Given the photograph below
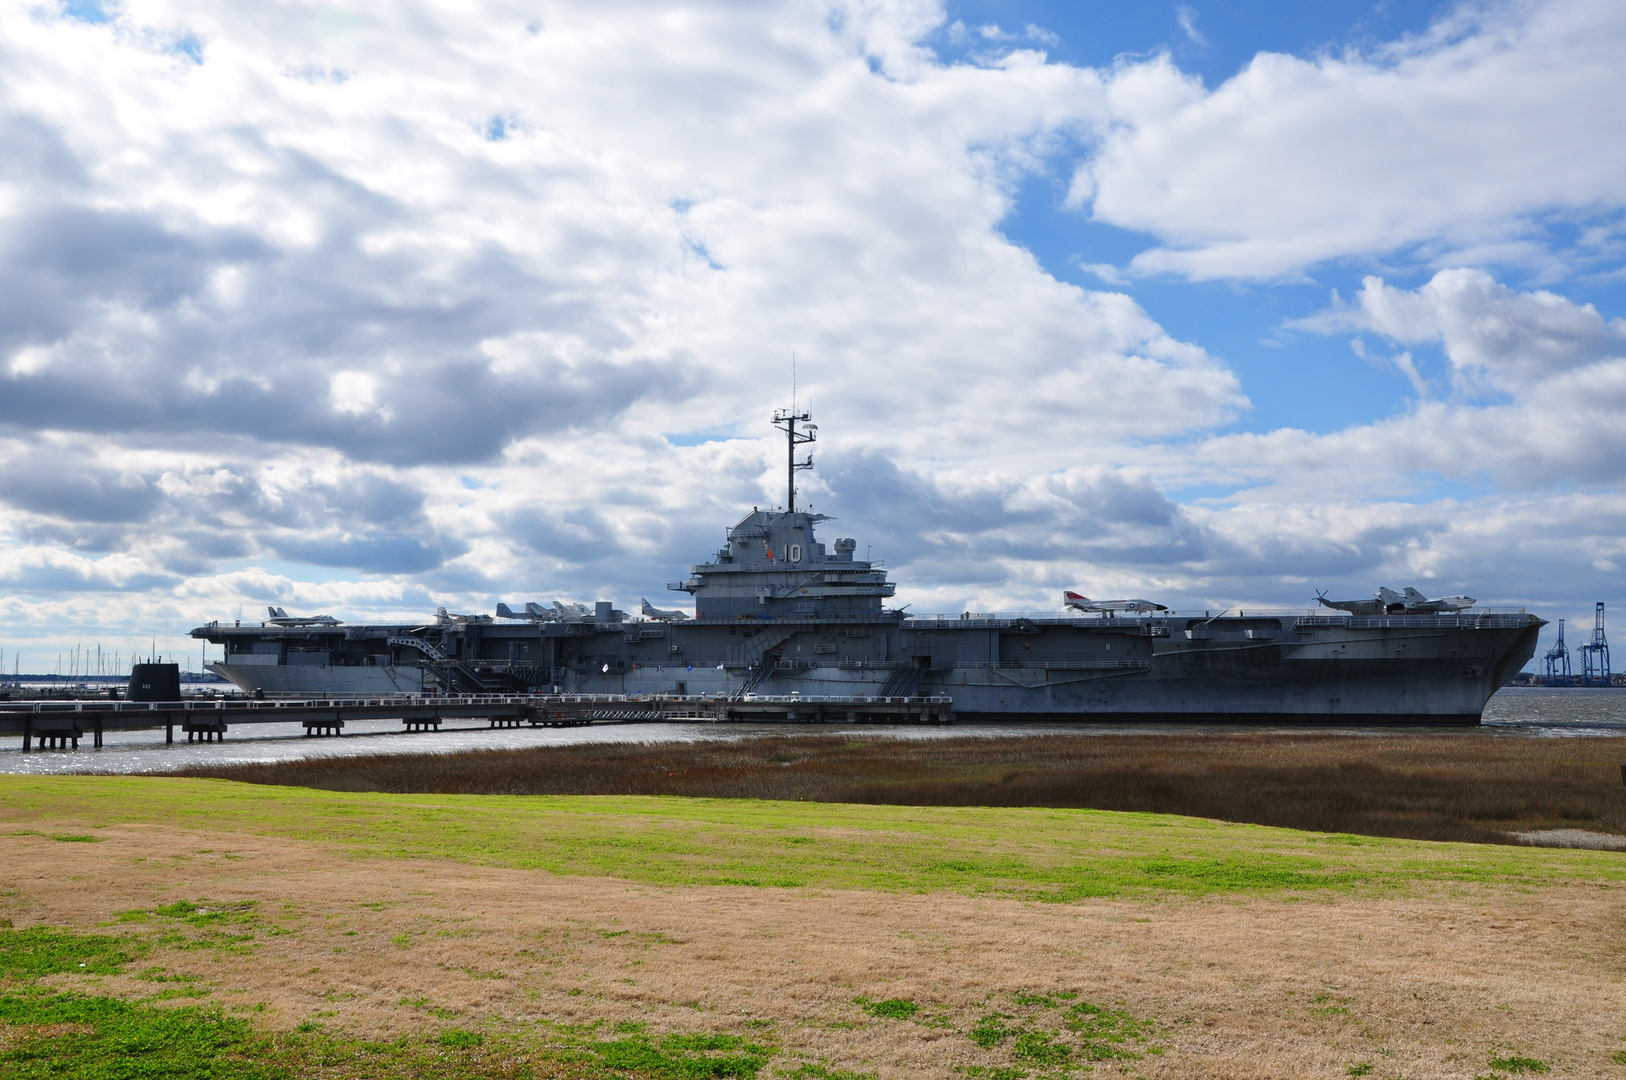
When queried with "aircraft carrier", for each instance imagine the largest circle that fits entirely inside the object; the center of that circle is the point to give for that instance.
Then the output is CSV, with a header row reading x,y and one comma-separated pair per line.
x,y
777,613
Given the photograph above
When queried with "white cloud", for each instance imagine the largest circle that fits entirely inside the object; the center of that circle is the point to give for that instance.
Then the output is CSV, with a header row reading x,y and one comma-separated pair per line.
x,y
1495,337
260,313
311,255
1555,371
1187,18
1458,145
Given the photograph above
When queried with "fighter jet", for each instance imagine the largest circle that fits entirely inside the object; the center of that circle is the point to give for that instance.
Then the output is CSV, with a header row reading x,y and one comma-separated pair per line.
x,y
445,618
532,613
572,612
1412,602
1083,603
279,617
1354,607
663,616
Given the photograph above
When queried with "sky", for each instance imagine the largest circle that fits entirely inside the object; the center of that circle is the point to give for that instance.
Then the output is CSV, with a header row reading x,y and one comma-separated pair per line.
x,y
368,309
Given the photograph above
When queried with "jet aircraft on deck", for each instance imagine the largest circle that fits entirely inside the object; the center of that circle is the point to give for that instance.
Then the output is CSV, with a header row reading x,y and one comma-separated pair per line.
x,y
1388,602
1413,602
662,615
1083,603
279,617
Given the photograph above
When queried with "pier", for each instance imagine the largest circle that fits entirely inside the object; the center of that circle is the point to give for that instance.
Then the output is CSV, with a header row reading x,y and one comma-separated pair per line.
x,y
62,724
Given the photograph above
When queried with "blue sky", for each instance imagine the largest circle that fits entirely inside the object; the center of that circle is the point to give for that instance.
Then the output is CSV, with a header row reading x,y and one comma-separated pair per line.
x,y
1293,379
380,308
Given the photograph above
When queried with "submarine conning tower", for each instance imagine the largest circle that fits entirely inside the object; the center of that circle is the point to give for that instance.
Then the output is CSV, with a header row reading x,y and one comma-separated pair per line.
x,y
773,567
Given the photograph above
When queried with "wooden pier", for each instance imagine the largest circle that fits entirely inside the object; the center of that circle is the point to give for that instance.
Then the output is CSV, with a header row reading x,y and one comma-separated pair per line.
x,y
61,724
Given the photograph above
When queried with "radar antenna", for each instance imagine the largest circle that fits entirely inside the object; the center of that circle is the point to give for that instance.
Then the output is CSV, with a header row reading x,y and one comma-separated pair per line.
x,y
786,420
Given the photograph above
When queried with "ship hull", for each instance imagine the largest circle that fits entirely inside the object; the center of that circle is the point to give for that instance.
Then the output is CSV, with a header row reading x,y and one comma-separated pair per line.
x,y
321,681
1392,670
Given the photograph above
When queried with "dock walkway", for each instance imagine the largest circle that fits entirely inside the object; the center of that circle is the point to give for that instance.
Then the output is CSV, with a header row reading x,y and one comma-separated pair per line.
x,y
61,724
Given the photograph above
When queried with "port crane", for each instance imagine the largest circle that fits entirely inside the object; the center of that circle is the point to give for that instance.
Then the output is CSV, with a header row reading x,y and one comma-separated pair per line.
x,y
1558,661
1595,654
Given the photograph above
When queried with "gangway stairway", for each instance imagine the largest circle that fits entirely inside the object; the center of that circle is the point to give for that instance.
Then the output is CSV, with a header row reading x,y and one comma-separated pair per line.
x,y
755,648
904,680
759,675
454,676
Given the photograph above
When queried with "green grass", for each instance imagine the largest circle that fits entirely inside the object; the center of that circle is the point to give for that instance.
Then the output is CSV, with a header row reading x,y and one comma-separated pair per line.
x,y
676,1056
77,1037
823,1072
890,1009
1104,1034
1046,854
100,1038
52,1035
40,951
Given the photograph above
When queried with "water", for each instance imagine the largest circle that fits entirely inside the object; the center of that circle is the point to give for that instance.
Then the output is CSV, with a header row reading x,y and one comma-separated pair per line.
x,y
1537,710
1526,712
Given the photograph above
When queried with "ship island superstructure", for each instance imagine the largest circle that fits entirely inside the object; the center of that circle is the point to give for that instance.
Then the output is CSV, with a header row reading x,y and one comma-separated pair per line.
x,y
777,612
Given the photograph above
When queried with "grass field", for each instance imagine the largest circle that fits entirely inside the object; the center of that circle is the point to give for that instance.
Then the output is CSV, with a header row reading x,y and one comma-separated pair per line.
x,y
204,928
1031,853
1473,786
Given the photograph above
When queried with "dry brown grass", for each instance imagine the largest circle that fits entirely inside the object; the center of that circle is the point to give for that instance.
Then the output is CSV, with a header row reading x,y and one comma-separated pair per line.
x,y
1473,786
1429,985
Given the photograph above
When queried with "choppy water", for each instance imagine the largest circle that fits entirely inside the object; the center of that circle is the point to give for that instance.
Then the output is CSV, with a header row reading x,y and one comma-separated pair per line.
x,y
1532,712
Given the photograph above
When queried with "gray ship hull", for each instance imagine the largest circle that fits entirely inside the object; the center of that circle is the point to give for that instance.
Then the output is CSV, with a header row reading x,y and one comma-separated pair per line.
x,y
1315,669
1309,669
319,681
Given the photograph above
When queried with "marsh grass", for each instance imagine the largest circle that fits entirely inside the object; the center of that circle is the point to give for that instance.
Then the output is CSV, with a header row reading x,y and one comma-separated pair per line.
x,y
1475,787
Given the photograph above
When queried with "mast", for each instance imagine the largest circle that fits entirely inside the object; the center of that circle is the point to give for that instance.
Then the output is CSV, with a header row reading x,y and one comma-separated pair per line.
x,y
786,420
